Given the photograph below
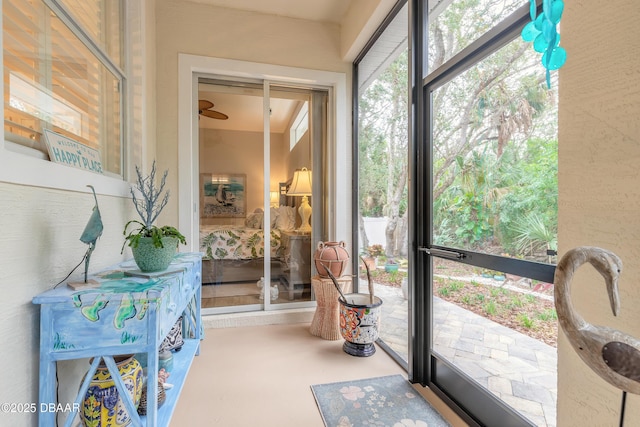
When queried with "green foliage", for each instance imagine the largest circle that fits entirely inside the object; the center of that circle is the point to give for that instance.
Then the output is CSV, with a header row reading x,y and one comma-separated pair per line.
x,y
529,212
512,198
156,233
382,142
533,234
456,285
451,287
490,308
516,301
494,133
548,315
526,321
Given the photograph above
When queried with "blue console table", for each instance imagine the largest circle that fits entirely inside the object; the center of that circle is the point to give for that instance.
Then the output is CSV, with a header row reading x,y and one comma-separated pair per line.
x,y
126,313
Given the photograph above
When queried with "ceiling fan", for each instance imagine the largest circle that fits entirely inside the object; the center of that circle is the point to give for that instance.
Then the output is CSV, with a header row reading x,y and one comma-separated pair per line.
x,y
203,109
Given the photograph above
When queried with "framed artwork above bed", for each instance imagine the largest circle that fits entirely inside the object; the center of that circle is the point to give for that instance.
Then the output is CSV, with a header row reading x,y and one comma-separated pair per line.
x,y
223,195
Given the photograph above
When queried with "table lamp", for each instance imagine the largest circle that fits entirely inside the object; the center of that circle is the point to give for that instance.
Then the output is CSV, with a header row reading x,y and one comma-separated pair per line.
x,y
274,199
301,186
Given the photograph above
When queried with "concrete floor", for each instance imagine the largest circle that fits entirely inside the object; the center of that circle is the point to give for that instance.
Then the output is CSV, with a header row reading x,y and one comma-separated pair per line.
x,y
516,368
261,375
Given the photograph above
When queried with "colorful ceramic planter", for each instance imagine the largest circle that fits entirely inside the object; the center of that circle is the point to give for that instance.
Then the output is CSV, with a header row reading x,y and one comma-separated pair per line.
x,y
360,323
102,405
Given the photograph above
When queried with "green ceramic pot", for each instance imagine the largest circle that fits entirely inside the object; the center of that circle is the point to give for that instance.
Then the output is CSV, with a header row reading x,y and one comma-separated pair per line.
x,y
389,268
150,259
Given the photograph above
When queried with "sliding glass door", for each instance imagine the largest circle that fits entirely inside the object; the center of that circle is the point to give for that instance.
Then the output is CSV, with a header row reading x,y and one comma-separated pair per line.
x,y
256,162
231,162
294,140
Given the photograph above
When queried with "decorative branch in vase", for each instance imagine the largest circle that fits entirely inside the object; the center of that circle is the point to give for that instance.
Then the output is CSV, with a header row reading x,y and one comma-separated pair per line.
x,y
153,247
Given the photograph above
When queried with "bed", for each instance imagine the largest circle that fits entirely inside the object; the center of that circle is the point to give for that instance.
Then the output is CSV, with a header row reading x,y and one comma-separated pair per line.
x,y
235,253
237,242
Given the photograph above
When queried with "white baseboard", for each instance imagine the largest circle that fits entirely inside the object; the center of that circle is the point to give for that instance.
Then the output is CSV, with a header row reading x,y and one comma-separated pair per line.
x,y
258,318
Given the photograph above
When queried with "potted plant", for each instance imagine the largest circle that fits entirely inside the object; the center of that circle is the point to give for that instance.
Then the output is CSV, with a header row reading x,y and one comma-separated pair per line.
x,y
391,265
372,253
153,247
359,318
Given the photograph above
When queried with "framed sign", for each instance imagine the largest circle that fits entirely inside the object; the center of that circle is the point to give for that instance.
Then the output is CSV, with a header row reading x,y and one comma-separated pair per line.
x,y
68,152
223,195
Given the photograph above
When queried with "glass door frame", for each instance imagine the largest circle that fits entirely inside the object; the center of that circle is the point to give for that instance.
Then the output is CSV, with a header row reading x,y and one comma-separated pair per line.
x,y
336,162
355,194
318,152
476,405
318,131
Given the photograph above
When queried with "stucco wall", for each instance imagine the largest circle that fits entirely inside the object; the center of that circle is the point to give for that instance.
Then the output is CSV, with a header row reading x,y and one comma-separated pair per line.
x,y
44,208
40,245
599,188
186,27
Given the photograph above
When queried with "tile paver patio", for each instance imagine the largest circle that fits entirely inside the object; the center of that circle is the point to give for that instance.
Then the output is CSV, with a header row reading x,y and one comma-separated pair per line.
x,y
518,369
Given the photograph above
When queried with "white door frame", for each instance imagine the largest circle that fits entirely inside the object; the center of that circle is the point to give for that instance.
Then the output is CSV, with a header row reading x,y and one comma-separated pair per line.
x,y
339,147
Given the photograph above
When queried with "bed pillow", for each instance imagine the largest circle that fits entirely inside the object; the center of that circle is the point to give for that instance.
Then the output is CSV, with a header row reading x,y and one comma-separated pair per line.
x,y
254,220
274,216
286,219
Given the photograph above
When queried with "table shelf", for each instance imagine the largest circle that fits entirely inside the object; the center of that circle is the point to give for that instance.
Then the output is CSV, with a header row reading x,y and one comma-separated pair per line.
x,y
126,313
181,364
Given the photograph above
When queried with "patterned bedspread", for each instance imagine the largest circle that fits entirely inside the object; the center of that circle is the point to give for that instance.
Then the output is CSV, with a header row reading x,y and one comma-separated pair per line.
x,y
237,242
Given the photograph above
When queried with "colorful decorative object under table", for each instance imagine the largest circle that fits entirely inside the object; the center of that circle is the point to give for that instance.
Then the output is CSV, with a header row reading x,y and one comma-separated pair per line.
x,y
102,405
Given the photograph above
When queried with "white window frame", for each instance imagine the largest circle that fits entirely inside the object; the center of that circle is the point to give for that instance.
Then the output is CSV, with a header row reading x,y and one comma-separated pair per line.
x,y
25,166
301,121
339,144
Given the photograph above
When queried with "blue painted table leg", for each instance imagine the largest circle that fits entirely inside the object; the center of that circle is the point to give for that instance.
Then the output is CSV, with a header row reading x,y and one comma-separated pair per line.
x,y
152,375
122,390
47,392
198,334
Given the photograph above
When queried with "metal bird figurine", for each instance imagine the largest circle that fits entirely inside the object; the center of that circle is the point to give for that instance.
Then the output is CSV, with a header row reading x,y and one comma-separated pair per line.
x,y
610,353
92,231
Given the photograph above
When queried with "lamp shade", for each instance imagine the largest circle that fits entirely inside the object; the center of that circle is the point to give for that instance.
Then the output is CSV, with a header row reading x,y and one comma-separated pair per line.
x,y
274,198
301,183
